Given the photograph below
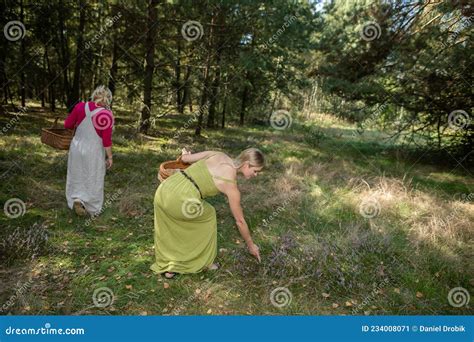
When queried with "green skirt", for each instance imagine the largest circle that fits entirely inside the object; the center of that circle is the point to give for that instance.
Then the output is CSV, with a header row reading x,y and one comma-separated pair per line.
x,y
185,228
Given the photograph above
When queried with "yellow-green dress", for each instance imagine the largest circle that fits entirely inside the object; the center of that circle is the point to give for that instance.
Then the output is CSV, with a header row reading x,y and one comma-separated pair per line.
x,y
185,224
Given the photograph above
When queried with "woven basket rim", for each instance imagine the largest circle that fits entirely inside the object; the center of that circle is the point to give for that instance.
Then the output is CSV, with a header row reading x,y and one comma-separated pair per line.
x,y
49,131
167,165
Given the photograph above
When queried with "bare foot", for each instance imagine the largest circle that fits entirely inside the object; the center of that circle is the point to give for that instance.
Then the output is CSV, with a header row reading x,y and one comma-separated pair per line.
x,y
169,275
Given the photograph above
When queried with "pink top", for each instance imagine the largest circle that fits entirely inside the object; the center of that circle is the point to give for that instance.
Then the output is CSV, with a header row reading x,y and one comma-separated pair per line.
x,y
103,121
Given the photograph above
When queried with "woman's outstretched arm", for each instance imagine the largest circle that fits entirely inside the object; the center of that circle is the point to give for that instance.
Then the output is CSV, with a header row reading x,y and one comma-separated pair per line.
x,y
233,194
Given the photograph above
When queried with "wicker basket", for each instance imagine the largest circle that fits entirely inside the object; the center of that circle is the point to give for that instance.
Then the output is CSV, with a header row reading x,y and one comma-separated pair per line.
x,y
59,138
169,167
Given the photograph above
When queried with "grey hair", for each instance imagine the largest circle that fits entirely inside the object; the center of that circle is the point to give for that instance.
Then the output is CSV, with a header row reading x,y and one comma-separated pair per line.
x,y
102,96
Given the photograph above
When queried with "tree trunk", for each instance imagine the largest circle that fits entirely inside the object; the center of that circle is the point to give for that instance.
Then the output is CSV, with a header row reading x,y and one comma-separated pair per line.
x,y
74,96
178,87
186,92
243,105
224,106
113,68
214,95
217,79
3,75
51,78
204,94
63,53
22,52
203,102
149,67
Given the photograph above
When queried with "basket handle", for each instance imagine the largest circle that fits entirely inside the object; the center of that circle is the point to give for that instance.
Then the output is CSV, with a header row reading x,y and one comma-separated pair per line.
x,y
55,125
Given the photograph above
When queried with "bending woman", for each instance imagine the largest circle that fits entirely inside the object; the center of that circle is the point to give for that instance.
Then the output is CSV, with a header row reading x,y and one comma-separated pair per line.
x,y
86,160
185,224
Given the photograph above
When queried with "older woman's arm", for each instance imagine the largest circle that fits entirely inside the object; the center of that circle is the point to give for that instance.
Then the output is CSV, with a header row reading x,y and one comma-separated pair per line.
x,y
73,117
233,194
109,161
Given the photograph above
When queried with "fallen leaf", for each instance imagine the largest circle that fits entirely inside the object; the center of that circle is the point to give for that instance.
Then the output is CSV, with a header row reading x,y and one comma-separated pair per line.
x,y
143,313
128,287
396,290
198,291
335,305
325,295
348,303
419,295
166,285
209,311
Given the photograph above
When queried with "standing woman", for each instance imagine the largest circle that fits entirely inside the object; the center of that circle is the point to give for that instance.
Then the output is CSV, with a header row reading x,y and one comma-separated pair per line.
x,y
87,153
185,224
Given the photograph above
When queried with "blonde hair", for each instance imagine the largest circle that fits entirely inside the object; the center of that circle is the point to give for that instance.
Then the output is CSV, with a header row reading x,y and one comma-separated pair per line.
x,y
102,96
252,155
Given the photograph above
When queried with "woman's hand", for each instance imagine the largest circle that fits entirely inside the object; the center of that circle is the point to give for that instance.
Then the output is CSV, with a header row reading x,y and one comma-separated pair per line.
x,y
184,151
109,162
255,251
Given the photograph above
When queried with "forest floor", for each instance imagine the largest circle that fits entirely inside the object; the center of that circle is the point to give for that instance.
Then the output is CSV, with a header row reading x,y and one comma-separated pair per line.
x,y
346,224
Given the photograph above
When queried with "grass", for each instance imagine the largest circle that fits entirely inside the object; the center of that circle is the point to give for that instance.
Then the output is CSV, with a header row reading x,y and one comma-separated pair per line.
x,y
304,212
